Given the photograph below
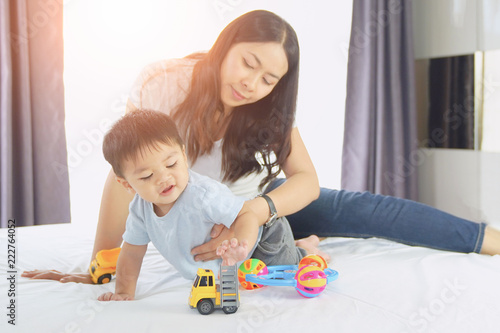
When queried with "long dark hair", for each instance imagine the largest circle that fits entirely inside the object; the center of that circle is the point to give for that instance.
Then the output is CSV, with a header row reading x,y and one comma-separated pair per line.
x,y
257,131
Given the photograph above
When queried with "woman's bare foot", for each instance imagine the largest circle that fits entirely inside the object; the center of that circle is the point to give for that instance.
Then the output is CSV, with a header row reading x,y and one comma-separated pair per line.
x,y
233,251
310,244
491,241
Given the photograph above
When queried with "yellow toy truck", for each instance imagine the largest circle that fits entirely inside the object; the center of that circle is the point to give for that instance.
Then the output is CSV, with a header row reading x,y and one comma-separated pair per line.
x,y
103,267
207,295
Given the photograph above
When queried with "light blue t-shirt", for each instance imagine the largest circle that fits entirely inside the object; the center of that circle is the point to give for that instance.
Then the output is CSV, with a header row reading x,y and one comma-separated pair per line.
x,y
203,203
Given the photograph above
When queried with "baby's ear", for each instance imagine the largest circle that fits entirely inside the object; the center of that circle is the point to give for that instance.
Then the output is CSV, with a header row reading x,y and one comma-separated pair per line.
x,y
184,154
125,184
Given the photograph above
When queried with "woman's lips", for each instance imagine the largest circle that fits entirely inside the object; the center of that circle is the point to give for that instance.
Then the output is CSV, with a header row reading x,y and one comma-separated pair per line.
x,y
237,95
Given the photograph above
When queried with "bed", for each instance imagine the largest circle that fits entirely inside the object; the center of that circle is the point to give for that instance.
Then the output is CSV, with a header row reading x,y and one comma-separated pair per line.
x,y
382,287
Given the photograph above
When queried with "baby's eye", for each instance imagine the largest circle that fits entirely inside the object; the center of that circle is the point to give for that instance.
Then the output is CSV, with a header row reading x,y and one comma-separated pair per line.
x,y
172,165
147,177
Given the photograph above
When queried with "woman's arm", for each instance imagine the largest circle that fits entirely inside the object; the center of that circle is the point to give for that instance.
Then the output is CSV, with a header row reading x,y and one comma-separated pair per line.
x,y
299,190
301,186
128,268
112,215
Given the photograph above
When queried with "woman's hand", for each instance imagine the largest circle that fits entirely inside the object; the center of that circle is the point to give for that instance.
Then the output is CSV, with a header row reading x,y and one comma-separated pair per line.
x,y
206,252
58,276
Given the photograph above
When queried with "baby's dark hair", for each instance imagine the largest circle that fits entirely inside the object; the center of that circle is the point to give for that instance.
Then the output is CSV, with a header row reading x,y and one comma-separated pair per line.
x,y
134,133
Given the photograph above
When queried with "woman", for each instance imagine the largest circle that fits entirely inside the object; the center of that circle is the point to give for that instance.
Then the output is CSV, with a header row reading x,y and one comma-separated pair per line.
x,y
235,107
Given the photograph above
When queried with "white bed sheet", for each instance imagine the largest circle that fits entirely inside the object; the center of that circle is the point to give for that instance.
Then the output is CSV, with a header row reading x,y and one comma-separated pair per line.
x,y
382,287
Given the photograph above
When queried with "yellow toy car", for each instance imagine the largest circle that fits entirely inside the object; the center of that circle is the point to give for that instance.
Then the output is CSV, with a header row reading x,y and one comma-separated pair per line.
x,y
103,267
207,295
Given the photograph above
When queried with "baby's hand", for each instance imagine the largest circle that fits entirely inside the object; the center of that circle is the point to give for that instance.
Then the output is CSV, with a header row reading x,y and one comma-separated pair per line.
x,y
232,251
115,297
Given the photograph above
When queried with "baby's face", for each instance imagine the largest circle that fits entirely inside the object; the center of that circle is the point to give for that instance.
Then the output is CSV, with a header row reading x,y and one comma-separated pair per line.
x,y
158,175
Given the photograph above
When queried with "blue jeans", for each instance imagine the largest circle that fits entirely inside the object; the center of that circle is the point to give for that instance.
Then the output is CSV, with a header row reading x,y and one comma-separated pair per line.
x,y
364,215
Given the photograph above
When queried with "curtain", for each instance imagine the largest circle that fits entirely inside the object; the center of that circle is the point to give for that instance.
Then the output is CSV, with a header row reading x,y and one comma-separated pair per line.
x,y
34,184
380,151
451,102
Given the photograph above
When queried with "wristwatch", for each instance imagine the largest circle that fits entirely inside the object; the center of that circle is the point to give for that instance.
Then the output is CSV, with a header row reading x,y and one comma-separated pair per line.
x,y
274,213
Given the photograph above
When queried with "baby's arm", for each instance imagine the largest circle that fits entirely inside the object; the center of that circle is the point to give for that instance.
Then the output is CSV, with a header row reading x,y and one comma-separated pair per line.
x,y
246,230
127,272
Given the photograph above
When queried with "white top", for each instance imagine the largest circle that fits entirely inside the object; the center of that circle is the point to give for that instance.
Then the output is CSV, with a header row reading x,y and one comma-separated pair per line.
x,y
162,86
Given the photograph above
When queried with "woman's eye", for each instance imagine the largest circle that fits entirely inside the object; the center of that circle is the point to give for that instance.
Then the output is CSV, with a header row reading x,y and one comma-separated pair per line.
x,y
247,64
266,82
147,177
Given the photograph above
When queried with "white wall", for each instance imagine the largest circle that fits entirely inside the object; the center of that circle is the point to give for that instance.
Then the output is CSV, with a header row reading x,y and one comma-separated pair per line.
x,y
461,182
108,42
489,89
455,27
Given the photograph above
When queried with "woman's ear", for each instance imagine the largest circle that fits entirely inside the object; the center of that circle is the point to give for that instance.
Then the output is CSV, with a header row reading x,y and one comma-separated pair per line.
x,y
125,184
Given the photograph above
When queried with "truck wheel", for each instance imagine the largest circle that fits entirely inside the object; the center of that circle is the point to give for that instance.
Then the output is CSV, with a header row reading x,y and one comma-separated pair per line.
x,y
104,278
229,309
205,306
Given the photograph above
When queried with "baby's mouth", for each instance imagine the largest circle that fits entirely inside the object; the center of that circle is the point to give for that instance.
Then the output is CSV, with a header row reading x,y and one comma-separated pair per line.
x,y
167,189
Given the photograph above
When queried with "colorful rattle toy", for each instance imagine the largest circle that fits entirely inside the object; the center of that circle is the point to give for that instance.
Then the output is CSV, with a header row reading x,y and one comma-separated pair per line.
x,y
309,278
251,266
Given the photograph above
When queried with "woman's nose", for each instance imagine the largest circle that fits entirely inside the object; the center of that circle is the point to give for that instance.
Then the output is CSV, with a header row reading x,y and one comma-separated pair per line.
x,y
250,82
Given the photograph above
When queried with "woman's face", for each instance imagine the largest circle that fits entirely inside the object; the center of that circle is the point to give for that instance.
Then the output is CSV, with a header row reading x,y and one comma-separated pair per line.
x,y
250,71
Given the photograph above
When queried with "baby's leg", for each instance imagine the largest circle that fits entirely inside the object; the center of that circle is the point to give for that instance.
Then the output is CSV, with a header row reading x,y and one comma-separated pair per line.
x,y
233,251
310,244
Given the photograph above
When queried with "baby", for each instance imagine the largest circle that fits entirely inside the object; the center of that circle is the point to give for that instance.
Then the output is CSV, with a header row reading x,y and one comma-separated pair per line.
x,y
176,208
